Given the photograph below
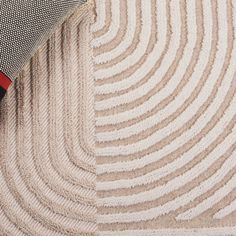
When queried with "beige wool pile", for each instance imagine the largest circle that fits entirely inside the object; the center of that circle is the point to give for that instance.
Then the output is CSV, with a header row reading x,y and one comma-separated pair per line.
x,y
124,123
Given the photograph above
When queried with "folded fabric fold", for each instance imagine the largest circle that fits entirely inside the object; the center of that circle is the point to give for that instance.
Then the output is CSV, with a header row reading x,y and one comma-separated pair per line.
x,y
24,26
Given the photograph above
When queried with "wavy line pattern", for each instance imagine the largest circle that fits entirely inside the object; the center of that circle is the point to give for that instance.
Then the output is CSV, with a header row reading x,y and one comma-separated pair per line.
x,y
47,175
165,84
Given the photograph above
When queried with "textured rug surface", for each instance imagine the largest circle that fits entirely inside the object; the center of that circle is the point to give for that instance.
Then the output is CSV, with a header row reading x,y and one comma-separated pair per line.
x,y
165,117
124,123
47,177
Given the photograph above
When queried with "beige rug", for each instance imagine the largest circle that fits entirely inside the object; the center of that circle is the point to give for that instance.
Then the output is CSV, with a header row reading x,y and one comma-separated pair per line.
x,y
123,123
165,116
47,177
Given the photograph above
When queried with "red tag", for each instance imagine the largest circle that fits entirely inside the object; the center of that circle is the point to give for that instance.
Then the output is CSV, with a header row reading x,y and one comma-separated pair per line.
x,y
5,81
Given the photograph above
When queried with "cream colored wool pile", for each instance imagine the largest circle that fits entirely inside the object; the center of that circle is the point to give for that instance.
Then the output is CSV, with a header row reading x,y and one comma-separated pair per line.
x,y
128,126
47,177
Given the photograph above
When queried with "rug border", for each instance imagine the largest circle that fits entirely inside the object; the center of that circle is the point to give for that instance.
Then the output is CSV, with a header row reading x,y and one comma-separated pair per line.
x,y
221,231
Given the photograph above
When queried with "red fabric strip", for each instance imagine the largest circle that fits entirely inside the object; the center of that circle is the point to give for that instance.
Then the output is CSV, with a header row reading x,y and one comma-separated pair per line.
x,y
5,82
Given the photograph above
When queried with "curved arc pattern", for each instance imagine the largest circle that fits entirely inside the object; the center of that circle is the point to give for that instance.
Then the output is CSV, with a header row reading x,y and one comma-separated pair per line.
x,y
165,148
45,190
